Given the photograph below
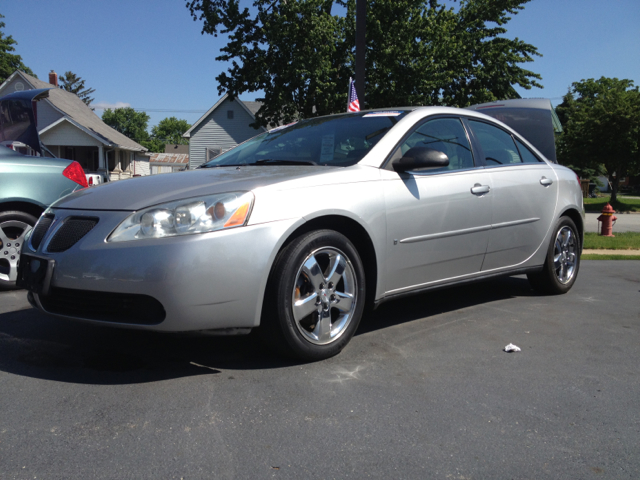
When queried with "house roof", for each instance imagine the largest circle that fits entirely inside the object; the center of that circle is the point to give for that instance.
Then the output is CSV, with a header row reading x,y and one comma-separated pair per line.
x,y
169,158
70,105
253,106
250,107
173,148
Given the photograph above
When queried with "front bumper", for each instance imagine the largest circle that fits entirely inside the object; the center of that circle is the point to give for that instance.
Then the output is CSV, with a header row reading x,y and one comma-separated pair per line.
x,y
203,281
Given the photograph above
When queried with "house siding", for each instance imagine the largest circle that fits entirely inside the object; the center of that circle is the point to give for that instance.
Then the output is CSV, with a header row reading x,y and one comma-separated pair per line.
x,y
10,87
68,135
217,131
141,166
46,115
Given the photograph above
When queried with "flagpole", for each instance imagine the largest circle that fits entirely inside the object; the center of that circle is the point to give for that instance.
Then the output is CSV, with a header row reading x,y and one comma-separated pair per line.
x,y
349,94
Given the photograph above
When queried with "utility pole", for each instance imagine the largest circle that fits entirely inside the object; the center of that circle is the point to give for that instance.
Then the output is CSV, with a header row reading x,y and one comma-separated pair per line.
x,y
361,27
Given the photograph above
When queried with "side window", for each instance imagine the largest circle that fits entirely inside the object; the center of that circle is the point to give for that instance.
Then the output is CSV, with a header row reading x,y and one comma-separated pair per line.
x,y
526,154
497,145
446,135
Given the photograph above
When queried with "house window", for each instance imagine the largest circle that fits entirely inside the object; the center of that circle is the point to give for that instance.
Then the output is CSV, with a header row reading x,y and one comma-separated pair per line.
x,y
212,153
230,114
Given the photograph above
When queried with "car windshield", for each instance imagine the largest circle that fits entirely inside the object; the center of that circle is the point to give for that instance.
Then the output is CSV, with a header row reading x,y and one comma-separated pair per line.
x,y
338,140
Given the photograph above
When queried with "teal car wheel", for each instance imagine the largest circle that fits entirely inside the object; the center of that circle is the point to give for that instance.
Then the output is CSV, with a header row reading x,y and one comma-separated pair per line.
x,y
14,227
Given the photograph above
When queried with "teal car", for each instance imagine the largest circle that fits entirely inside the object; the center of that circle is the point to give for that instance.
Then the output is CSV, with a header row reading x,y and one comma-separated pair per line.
x,y
28,184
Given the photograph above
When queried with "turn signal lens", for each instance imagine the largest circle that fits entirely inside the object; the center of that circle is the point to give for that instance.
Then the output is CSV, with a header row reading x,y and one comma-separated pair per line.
x,y
238,217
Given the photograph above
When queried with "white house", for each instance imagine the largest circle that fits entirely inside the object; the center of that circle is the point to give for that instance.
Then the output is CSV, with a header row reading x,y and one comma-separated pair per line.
x,y
71,130
224,126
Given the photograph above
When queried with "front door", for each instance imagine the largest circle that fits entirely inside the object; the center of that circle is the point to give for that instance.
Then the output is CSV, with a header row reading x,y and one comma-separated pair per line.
x,y
439,220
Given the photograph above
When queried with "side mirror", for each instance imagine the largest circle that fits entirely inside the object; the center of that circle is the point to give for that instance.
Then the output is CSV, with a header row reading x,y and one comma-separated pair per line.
x,y
420,158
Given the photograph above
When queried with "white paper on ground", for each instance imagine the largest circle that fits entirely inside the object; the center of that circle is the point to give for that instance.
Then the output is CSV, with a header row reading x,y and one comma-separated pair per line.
x,y
511,348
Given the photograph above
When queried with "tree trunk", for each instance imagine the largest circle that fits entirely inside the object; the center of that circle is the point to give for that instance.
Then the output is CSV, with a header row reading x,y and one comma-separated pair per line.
x,y
614,188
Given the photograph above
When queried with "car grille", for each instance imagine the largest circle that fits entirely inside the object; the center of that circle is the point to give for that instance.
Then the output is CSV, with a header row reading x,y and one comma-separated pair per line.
x,y
40,229
104,306
72,230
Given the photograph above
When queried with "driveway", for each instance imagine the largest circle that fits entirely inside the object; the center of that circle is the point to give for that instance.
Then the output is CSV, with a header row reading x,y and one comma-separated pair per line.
x,y
424,390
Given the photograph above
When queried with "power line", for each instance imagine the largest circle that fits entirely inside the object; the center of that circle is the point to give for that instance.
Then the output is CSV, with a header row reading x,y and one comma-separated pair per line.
x,y
167,110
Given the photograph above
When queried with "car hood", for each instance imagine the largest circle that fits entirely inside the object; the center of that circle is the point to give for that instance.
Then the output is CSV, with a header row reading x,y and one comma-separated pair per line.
x,y
137,193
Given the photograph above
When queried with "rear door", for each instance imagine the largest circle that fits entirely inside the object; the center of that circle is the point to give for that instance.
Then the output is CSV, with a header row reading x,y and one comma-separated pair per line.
x,y
525,191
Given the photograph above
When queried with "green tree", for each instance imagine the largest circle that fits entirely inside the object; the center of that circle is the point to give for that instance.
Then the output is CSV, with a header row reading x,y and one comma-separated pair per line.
x,y
128,122
170,131
9,62
418,53
153,145
601,126
74,84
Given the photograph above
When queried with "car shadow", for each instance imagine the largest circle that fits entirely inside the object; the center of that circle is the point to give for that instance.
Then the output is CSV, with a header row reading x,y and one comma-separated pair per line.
x,y
35,345
444,300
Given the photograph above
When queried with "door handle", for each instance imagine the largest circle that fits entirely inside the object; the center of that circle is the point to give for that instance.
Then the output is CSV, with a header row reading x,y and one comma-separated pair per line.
x,y
478,189
546,181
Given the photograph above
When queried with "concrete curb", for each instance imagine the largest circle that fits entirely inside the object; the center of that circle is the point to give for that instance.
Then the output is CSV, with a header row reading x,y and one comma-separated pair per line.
x,y
589,251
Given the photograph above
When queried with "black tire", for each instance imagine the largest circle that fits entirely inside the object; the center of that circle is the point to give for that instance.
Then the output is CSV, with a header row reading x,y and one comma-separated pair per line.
x,y
559,274
328,308
14,225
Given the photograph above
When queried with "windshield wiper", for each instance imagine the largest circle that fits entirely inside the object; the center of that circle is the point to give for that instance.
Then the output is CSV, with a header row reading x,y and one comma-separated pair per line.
x,y
262,161
275,161
206,165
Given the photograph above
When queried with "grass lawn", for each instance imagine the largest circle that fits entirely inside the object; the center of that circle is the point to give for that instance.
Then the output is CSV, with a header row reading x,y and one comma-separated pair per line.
x,y
621,241
622,204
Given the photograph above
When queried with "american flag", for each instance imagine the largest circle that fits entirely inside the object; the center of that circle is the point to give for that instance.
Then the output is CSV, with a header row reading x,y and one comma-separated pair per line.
x,y
354,105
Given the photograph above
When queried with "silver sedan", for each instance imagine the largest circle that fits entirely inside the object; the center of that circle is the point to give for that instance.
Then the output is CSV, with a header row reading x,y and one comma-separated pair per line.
x,y
297,230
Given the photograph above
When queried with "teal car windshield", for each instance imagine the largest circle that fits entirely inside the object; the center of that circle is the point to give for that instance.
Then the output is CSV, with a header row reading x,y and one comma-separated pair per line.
x,y
338,140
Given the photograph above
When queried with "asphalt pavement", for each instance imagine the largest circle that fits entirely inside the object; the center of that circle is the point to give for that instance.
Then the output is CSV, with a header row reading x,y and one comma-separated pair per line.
x,y
424,390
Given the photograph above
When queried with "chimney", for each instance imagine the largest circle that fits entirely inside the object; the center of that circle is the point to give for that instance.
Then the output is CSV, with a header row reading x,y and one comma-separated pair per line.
x,y
53,78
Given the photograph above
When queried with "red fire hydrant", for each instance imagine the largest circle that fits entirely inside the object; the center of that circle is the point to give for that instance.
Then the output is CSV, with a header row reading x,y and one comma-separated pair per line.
x,y
608,219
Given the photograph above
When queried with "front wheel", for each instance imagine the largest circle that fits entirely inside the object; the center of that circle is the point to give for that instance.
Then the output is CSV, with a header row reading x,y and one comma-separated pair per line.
x,y
561,266
14,227
315,296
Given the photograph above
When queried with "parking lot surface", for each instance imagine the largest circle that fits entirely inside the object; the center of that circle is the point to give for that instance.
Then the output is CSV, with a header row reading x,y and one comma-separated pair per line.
x,y
424,390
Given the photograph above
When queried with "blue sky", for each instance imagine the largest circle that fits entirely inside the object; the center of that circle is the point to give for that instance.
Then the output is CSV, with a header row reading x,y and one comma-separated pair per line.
x,y
149,54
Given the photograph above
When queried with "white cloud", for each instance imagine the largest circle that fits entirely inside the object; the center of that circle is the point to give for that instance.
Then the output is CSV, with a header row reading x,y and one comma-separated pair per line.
x,y
112,106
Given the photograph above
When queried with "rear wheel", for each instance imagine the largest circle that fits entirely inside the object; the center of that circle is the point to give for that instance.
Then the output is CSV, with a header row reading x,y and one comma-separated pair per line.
x,y
14,226
315,297
561,266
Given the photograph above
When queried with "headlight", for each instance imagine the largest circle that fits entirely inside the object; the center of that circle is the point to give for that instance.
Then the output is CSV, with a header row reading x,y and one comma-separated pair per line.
x,y
185,217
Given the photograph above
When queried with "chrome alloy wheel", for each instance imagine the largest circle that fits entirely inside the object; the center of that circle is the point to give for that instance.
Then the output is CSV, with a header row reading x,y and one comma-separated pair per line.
x,y
12,234
324,296
565,255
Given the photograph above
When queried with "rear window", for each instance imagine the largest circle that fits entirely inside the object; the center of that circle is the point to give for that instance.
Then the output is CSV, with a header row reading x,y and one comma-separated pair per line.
x,y
14,120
